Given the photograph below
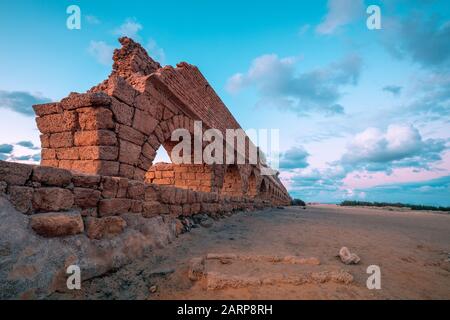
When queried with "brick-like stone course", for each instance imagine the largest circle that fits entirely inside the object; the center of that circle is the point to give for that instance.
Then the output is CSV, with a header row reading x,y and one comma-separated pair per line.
x,y
63,203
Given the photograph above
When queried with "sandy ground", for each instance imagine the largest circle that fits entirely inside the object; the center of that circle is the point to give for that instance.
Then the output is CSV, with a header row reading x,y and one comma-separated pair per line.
x,y
411,248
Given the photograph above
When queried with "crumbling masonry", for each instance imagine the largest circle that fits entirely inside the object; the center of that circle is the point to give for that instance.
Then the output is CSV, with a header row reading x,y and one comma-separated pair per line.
x,y
106,140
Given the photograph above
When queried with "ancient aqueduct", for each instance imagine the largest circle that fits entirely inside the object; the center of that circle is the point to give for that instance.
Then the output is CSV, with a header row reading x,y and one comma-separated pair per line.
x,y
103,143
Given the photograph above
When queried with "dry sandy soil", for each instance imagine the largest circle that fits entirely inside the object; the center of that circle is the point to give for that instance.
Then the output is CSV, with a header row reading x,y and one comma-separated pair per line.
x,y
411,248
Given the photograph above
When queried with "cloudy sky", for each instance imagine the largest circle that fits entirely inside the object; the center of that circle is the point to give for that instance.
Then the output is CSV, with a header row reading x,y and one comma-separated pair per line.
x,y
363,114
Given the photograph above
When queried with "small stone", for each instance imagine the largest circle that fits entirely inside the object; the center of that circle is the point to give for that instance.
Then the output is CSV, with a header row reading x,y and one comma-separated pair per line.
x,y
153,289
347,257
208,223
196,269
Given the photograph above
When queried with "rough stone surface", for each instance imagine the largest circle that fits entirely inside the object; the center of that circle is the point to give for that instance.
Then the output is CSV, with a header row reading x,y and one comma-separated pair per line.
x,y
105,227
347,257
52,199
57,224
14,173
52,176
32,267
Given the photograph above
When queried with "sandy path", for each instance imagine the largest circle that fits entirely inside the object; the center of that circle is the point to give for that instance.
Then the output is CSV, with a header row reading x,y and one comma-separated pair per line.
x,y
411,248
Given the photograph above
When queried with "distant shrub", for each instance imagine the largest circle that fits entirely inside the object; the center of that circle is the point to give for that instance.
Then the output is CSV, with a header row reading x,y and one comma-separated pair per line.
x,y
348,203
298,202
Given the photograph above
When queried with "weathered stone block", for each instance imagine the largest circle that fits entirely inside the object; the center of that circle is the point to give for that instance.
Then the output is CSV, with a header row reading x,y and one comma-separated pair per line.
x,y
52,199
100,167
122,112
151,209
130,134
148,151
86,198
60,122
95,118
99,228
61,140
136,206
175,210
126,171
14,173
136,190
120,89
21,198
98,153
57,224
45,140
151,193
48,154
95,138
47,108
168,195
67,154
81,100
144,122
52,176
129,152
112,207
86,181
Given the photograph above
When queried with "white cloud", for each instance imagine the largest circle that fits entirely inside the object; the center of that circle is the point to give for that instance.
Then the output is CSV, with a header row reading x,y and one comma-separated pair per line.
x,y
280,85
399,146
101,51
155,51
340,13
21,101
130,28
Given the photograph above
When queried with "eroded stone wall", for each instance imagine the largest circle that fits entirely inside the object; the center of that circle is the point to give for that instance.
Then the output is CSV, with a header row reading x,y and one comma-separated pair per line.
x,y
63,203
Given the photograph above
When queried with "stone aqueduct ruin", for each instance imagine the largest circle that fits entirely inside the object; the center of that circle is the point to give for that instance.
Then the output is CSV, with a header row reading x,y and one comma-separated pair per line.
x,y
98,150
97,200
116,128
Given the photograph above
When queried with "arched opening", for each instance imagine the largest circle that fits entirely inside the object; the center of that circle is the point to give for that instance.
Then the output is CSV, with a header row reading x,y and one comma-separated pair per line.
x,y
252,189
232,182
263,190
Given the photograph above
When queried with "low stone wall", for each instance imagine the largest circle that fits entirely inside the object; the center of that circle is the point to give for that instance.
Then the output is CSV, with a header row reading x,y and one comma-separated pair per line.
x,y
63,203
192,177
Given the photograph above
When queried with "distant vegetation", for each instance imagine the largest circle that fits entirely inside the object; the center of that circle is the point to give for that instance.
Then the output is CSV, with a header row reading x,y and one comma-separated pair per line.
x,y
397,205
298,202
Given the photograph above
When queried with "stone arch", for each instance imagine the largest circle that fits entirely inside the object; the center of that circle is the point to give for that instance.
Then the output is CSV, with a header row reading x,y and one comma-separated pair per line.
x,y
263,189
252,189
232,182
116,128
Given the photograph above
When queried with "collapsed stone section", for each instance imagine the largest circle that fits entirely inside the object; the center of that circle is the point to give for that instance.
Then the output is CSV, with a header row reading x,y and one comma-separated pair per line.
x,y
116,128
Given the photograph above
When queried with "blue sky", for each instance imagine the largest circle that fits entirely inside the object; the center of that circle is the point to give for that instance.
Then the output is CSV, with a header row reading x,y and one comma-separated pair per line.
x,y
361,112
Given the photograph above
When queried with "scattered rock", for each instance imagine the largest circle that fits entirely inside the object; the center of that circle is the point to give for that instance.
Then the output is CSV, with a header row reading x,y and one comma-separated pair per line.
x,y
153,289
196,269
347,257
206,223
